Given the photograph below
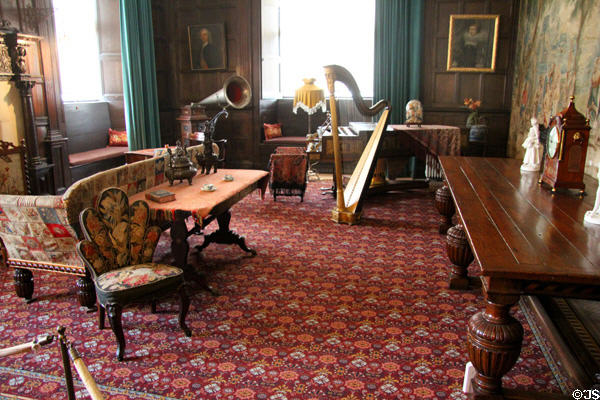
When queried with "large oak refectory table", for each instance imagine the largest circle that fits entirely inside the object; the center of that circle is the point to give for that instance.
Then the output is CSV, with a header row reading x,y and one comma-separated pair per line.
x,y
204,207
526,240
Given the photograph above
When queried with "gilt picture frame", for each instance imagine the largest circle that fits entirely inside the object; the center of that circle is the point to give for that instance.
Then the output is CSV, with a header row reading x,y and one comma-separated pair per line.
x,y
207,44
472,42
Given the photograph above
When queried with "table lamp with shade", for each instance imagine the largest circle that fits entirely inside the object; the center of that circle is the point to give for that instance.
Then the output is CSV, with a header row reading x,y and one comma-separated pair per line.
x,y
309,98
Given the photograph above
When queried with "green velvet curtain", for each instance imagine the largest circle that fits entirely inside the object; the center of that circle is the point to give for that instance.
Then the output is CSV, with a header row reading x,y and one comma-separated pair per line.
x,y
398,27
139,75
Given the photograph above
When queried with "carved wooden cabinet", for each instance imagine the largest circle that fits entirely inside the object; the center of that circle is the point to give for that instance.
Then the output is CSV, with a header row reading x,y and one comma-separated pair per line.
x,y
25,63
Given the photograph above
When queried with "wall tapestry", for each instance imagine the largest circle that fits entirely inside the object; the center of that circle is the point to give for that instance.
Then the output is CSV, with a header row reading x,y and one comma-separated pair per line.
x,y
558,55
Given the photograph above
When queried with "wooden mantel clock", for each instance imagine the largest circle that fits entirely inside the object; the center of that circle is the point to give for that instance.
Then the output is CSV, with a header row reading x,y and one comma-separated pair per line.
x,y
566,149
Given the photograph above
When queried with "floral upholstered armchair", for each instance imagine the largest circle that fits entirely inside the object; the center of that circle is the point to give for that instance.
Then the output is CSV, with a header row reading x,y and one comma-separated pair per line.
x,y
288,168
118,252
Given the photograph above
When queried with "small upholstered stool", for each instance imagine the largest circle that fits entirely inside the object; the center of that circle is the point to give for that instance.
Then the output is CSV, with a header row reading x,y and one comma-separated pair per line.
x,y
288,168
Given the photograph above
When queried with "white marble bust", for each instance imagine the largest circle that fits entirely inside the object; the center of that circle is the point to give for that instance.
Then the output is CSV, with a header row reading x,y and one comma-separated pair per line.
x,y
533,148
593,216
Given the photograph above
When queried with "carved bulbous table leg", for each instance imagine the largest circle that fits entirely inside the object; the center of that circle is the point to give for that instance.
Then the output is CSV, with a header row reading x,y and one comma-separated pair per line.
x,y
445,206
494,343
24,284
460,254
86,293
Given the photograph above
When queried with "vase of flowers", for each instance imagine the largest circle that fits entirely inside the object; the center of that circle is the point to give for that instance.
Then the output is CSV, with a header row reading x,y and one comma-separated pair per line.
x,y
475,122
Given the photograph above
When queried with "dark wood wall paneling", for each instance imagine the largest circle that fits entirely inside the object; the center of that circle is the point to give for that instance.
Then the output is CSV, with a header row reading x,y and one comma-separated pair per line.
x,y
443,92
23,15
178,85
163,21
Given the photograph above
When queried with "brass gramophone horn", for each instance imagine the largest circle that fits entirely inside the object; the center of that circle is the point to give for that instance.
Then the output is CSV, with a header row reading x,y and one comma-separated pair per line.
x,y
235,92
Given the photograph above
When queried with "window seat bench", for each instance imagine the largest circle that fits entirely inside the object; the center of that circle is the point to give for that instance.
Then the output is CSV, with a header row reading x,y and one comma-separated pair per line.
x,y
87,125
90,156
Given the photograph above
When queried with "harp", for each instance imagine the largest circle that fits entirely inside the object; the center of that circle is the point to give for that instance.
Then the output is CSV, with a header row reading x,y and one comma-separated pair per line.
x,y
350,200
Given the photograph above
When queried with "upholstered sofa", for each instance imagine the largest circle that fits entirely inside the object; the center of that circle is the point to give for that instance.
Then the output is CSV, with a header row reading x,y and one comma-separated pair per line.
x,y
40,232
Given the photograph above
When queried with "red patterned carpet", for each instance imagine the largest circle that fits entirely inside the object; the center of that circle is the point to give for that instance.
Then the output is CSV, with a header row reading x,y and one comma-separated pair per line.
x,y
324,311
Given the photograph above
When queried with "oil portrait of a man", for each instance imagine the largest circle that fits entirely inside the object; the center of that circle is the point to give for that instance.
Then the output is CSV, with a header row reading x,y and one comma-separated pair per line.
x,y
207,47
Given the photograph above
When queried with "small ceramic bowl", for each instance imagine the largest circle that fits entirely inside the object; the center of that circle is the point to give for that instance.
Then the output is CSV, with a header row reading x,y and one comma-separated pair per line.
x,y
228,178
209,187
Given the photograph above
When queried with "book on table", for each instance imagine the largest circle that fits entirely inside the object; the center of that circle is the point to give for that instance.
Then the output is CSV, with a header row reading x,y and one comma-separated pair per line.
x,y
160,196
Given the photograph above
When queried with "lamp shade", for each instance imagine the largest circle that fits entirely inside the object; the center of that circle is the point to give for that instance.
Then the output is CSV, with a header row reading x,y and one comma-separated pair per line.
x,y
309,97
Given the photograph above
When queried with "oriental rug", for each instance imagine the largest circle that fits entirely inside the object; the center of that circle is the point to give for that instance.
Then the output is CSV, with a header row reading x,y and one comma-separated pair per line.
x,y
324,311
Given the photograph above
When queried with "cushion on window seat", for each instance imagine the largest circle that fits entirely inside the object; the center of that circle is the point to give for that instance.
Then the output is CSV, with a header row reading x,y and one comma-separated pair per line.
x,y
86,157
288,139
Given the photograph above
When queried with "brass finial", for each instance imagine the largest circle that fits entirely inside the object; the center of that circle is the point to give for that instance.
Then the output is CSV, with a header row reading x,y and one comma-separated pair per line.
x,y
61,331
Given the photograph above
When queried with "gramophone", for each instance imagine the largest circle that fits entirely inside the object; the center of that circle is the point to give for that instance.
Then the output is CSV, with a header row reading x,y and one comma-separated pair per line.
x,y
236,93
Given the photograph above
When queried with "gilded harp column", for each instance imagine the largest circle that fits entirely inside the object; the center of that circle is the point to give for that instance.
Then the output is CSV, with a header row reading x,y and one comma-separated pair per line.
x,y
349,200
337,152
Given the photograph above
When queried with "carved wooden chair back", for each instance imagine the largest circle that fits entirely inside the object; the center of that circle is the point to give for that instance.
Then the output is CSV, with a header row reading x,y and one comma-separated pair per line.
x,y
120,232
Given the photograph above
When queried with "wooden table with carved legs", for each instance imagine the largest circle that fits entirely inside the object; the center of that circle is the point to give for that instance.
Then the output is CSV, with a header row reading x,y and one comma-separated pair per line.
x,y
526,240
180,247
205,207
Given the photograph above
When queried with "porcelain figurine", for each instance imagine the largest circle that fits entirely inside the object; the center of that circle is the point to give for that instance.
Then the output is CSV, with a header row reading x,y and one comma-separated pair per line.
x,y
593,216
414,113
533,148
